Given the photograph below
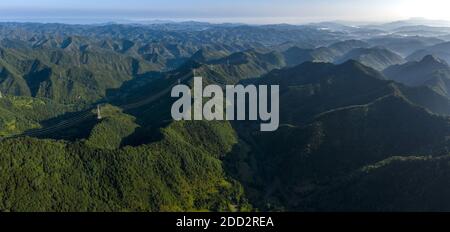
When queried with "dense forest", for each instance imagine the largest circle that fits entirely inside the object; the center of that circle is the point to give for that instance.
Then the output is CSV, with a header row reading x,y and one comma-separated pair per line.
x,y
85,119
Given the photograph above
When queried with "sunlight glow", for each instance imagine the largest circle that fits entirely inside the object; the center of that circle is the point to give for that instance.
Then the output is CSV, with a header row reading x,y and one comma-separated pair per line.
x,y
432,9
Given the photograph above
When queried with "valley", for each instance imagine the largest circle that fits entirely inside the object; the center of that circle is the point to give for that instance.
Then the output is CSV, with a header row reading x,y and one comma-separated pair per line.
x,y
86,124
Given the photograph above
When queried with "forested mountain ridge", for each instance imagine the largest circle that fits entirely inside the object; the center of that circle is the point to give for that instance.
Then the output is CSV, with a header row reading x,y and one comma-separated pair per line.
x,y
431,71
179,173
330,130
86,126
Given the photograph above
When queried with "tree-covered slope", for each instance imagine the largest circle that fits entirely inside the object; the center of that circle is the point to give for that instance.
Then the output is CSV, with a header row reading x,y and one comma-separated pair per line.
x,y
181,172
347,128
18,114
416,184
377,58
430,71
417,72
349,138
441,50
68,75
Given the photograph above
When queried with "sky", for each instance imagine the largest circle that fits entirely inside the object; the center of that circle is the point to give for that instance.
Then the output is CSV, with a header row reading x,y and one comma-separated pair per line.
x,y
245,11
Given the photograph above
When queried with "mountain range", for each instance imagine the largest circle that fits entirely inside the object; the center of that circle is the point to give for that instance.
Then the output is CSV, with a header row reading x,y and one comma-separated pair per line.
x,y
85,119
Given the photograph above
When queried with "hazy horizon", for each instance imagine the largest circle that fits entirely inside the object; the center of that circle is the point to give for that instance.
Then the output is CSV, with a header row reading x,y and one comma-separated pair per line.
x,y
150,21
220,11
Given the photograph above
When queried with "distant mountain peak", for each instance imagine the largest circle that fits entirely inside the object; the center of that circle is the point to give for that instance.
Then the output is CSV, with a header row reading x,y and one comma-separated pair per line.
x,y
432,59
430,70
351,63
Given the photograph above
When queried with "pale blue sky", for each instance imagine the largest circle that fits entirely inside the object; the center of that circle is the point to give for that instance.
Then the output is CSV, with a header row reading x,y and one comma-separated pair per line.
x,y
249,11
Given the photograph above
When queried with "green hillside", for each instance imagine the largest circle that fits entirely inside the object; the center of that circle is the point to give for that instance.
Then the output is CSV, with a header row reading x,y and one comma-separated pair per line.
x,y
377,58
181,172
430,71
346,129
85,122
